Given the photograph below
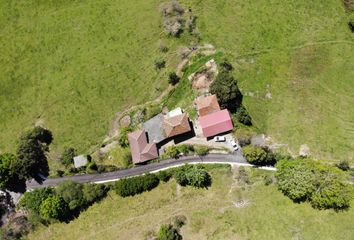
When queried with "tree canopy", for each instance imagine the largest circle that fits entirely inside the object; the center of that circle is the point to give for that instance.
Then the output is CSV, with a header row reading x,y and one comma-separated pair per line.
x,y
6,171
192,175
54,207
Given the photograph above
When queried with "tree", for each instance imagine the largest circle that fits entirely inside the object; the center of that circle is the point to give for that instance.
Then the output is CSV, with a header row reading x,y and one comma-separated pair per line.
x,y
135,185
168,232
323,186
226,89
67,157
195,176
6,171
255,155
33,199
173,79
31,154
54,207
123,136
72,194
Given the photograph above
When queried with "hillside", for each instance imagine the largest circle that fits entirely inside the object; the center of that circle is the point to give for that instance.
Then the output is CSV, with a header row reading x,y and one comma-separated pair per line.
x,y
71,65
211,214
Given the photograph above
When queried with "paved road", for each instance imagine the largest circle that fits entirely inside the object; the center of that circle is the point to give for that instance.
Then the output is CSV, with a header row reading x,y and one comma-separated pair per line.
x,y
112,176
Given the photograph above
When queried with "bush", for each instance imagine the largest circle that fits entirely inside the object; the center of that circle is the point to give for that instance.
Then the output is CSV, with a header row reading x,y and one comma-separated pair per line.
x,y
201,150
226,66
255,155
195,176
164,175
243,136
172,13
123,136
67,157
159,64
6,171
322,185
94,192
171,152
343,165
268,180
135,185
173,79
54,207
243,117
72,194
91,167
168,232
32,200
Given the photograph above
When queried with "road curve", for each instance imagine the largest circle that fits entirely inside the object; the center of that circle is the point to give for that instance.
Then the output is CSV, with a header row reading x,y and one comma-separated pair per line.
x,y
236,158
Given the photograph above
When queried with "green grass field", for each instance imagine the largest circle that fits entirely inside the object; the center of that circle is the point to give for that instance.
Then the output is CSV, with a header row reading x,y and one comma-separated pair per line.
x,y
210,214
72,65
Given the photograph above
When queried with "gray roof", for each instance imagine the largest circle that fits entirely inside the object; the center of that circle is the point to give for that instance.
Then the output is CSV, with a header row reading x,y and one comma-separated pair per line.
x,y
80,161
154,129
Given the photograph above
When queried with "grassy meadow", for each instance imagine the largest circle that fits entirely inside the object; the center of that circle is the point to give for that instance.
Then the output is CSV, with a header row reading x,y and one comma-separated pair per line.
x,y
210,214
71,65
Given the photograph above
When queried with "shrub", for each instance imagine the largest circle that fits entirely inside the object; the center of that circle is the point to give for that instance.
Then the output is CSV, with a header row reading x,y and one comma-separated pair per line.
x,y
135,185
172,152
32,200
305,180
243,117
168,232
179,221
226,66
201,150
72,194
54,207
195,176
343,165
185,149
172,18
255,155
94,192
91,167
243,135
268,180
123,136
226,89
173,79
164,175
6,171
159,64
126,159
67,157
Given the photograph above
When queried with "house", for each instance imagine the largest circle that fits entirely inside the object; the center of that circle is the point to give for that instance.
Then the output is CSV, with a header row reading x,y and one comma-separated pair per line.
x,y
154,128
176,125
216,123
141,150
80,161
207,105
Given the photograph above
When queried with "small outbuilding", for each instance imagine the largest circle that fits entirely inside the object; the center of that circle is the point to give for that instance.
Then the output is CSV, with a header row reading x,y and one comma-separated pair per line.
x,y
80,161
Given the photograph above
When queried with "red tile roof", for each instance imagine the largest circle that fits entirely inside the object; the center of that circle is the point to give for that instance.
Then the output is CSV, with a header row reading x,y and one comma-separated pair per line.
x,y
176,125
215,123
207,105
140,149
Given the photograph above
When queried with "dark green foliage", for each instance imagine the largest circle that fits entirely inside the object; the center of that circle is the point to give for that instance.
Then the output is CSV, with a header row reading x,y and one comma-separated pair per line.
x,y
343,165
31,154
305,180
173,79
226,89
94,192
32,200
67,157
168,232
226,66
243,117
193,175
244,136
123,136
159,64
6,171
72,193
164,175
40,134
172,152
135,185
255,155
91,167
54,207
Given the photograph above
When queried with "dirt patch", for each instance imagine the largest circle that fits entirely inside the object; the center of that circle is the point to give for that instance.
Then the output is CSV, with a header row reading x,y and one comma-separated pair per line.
x,y
202,80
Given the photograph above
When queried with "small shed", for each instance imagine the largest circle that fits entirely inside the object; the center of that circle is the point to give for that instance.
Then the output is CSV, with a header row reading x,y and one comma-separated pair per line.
x,y
80,161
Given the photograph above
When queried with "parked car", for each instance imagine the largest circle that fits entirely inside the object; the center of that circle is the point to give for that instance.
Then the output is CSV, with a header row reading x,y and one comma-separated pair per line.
x,y
219,139
234,145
